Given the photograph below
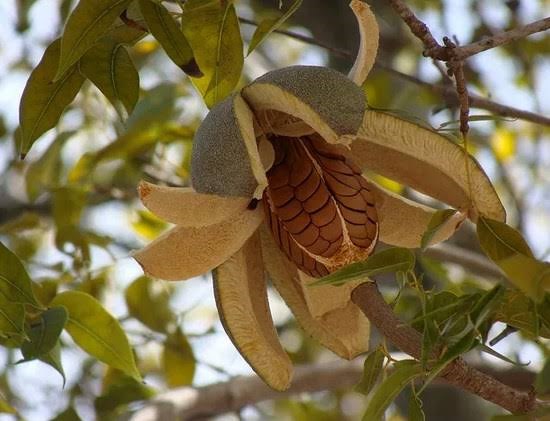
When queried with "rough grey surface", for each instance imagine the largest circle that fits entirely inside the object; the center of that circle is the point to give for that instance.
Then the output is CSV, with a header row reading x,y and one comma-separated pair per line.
x,y
219,161
337,99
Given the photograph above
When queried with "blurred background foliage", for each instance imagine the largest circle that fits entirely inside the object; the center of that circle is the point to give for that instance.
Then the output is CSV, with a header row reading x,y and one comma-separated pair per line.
x,y
70,211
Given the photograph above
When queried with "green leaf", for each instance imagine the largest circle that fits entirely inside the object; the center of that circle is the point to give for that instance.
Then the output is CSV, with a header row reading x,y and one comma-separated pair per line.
x,y
507,248
45,171
97,332
384,395
5,407
480,312
540,414
212,30
25,221
87,23
415,408
68,414
463,345
67,206
442,306
150,123
372,368
491,351
43,101
53,359
44,333
516,310
500,241
178,361
486,305
542,382
45,290
142,295
168,33
12,318
267,26
121,391
389,260
109,66
438,219
15,284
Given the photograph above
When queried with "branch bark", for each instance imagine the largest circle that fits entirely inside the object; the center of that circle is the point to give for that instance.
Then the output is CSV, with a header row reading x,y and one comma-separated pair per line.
x,y
204,402
367,297
445,53
502,38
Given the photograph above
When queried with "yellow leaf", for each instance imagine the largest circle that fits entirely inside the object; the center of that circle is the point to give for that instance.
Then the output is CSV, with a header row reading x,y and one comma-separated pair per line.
x,y
178,361
212,30
503,142
86,24
168,33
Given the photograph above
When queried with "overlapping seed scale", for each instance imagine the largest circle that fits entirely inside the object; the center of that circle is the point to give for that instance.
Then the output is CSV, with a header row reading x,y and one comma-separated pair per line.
x,y
349,189
301,199
288,245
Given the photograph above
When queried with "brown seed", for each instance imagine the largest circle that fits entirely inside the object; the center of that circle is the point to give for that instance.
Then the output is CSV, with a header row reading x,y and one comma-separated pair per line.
x,y
338,188
308,236
299,223
301,170
335,165
308,187
355,202
290,210
348,180
282,195
318,200
324,216
334,247
278,175
319,247
355,217
332,231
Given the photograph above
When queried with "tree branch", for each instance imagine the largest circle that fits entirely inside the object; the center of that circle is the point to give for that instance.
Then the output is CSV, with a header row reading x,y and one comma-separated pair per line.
x,y
454,55
474,262
417,27
208,401
457,373
445,53
502,38
450,96
205,402
447,93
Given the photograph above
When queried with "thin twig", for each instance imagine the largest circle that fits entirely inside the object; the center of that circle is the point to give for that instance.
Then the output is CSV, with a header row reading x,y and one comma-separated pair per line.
x,y
417,27
474,262
457,373
304,38
502,38
445,52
